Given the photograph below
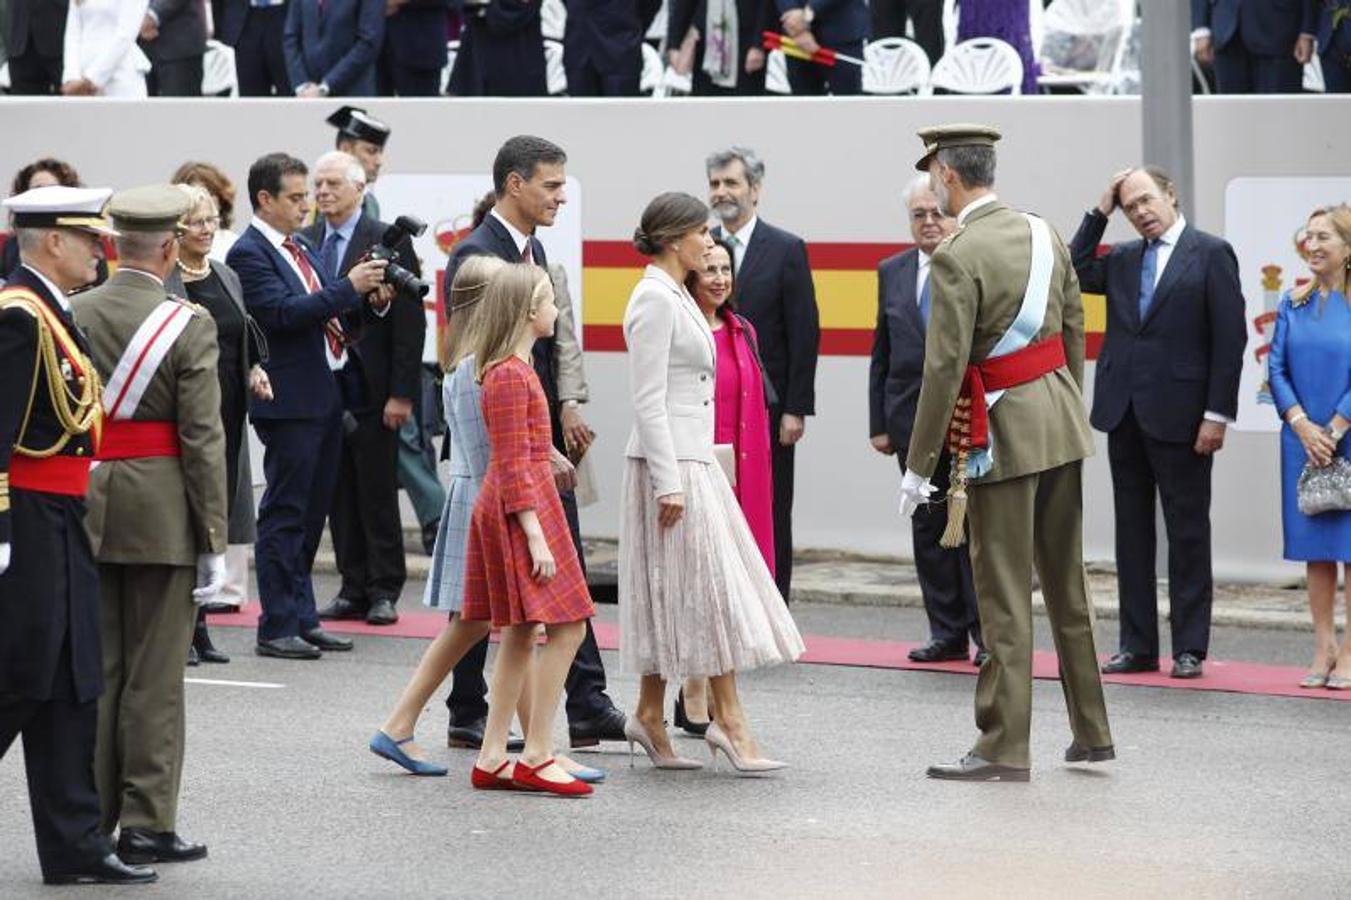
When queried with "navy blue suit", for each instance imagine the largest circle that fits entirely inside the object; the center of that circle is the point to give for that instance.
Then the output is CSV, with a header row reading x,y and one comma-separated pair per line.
x,y
602,47
1154,382
301,427
501,52
585,685
841,25
337,47
1334,50
894,377
1254,42
414,52
255,33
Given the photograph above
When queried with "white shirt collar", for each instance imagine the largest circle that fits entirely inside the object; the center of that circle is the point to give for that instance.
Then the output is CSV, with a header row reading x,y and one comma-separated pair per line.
x,y
1170,237
923,258
344,229
975,205
274,237
51,287
519,238
743,235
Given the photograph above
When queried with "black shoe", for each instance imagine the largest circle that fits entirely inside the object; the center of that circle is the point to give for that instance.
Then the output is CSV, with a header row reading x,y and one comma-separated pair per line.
x,y
608,726
141,846
938,651
321,639
202,649
217,606
382,612
288,648
979,659
1077,752
108,870
470,737
192,656
342,608
1187,665
972,768
682,721
1126,662
429,536
210,654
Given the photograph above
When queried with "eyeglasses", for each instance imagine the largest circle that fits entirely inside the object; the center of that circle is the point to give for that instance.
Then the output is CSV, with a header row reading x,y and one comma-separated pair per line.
x,y
202,224
921,215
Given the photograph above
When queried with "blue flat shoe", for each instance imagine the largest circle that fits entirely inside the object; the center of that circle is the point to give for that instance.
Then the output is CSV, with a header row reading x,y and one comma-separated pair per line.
x,y
588,775
384,745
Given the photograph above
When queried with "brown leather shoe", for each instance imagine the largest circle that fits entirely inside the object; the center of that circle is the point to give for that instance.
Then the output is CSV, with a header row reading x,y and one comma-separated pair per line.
x,y
972,768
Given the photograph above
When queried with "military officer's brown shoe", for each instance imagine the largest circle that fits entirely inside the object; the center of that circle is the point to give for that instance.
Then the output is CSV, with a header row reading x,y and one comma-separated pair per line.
x,y
972,768
1077,752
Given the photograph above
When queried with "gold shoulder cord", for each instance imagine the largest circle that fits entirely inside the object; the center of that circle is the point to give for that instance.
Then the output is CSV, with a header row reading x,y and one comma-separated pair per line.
x,y
76,413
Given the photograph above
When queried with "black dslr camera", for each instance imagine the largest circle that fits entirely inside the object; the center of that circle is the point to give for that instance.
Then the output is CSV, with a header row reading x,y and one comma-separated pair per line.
x,y
388,249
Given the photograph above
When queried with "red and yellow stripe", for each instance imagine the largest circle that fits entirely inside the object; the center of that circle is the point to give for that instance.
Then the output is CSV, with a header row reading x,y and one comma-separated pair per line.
x,y
845,275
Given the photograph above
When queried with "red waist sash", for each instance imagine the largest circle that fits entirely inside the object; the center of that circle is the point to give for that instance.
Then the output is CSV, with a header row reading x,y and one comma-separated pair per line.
x,y
68,475
129,439
971,422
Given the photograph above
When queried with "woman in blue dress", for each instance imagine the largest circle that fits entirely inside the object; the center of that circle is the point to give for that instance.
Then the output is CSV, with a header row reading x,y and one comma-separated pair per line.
x,y
1310,375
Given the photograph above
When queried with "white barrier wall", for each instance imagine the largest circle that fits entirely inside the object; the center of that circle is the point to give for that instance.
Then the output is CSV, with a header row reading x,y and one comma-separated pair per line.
x,y
835,171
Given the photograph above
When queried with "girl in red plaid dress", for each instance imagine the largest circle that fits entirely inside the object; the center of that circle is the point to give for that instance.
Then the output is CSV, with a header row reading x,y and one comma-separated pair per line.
x,y
522,570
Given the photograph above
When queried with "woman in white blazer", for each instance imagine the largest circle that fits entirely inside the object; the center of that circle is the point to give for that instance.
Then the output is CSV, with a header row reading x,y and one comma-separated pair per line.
x,y
696,599
101,56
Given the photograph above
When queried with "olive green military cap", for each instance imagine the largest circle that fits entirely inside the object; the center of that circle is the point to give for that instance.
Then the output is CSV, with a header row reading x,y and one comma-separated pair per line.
x,y
153,207
941,137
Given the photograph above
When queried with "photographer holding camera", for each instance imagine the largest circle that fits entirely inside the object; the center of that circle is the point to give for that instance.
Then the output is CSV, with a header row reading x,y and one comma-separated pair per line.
x,y
381,378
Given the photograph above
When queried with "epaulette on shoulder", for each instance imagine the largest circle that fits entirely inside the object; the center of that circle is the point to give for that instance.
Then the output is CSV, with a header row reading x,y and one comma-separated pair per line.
x,y
196,308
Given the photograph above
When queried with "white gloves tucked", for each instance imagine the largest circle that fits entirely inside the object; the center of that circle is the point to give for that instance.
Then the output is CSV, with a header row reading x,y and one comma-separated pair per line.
x,y
4,557
915,491
210,577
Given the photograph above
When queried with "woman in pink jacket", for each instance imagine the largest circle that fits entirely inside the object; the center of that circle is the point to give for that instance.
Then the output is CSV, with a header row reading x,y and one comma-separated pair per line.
x,y
741,421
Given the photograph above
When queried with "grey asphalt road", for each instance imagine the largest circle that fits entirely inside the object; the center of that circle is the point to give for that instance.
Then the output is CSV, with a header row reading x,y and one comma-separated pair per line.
x,y
1212,795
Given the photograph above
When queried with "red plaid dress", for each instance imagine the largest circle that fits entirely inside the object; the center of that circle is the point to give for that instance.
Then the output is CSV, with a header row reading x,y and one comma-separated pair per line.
x,y
497,582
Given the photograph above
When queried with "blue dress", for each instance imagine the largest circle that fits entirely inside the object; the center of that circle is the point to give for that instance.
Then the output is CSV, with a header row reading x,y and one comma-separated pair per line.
x,y
1311,366
468,461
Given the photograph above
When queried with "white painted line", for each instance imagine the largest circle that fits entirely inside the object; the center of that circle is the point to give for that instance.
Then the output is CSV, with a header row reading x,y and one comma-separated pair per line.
x,y
243,684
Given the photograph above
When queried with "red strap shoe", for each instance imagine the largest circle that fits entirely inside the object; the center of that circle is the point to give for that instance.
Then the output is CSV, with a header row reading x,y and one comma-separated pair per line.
x,y
525,779
484,780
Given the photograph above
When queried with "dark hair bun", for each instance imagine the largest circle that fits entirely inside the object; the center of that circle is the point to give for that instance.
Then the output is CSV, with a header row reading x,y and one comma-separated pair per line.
x,y
644,244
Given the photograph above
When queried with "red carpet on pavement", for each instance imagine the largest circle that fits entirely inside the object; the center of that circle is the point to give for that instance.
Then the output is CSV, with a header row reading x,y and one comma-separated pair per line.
x,y
1220,675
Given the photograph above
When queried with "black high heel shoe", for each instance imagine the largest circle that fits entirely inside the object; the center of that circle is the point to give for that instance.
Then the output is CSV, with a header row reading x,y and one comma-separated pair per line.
x,y
698,729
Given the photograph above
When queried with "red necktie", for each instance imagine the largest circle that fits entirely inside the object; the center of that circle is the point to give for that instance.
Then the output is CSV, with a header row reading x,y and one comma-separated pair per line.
x,y
332,328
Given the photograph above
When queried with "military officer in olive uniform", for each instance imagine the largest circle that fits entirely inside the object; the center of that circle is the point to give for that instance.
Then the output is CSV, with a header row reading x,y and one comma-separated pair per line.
x,y
157,516
1003,372
50,669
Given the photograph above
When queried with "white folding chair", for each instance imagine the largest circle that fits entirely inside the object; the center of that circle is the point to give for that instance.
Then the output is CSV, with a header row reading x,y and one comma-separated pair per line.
x,y
553,19
776,73
219,77
452,51
1083,43
555,75
894,65
979,66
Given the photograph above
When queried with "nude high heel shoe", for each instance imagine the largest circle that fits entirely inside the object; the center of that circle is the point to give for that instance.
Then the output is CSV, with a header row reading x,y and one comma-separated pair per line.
x,y
718,740
635,733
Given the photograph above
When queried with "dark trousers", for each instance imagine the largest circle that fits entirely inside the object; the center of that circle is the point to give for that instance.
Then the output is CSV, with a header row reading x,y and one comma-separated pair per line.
x,y
32,74
752,85
367,529
585,684
927,16
781,460
176,78
1336,60
406,81
260,61
807,79
945,579
586,80
58,753
1239,72
1140,466
300,462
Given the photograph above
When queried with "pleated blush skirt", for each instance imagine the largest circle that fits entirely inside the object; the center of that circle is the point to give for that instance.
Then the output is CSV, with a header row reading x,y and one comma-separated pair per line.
x,y
696,599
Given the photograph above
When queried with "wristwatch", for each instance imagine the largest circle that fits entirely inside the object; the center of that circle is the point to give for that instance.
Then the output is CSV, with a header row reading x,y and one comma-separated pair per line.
x,y
1336,435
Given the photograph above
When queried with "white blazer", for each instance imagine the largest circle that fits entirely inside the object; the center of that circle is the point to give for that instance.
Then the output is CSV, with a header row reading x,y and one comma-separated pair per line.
x,y
672,361
101,46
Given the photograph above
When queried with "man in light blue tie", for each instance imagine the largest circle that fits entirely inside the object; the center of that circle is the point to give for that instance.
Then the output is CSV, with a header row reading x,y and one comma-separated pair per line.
x,y
903,308
1165,389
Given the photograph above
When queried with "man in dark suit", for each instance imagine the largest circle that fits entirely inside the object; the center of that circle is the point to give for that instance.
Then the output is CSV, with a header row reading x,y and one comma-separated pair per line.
x,y
367,529
414,52
36,45
254,29
501,51
1334,49
528,179
173,36
1257,46
775,291
741,73
301,312
889,16
903,306
331,46
603,46
1165,388
841,25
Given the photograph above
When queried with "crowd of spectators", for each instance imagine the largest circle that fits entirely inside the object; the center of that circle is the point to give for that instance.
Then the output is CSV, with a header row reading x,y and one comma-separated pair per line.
x,y
421,48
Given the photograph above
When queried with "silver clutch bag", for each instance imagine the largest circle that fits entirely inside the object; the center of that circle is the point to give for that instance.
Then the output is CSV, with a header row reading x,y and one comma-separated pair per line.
x,y
1323,489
